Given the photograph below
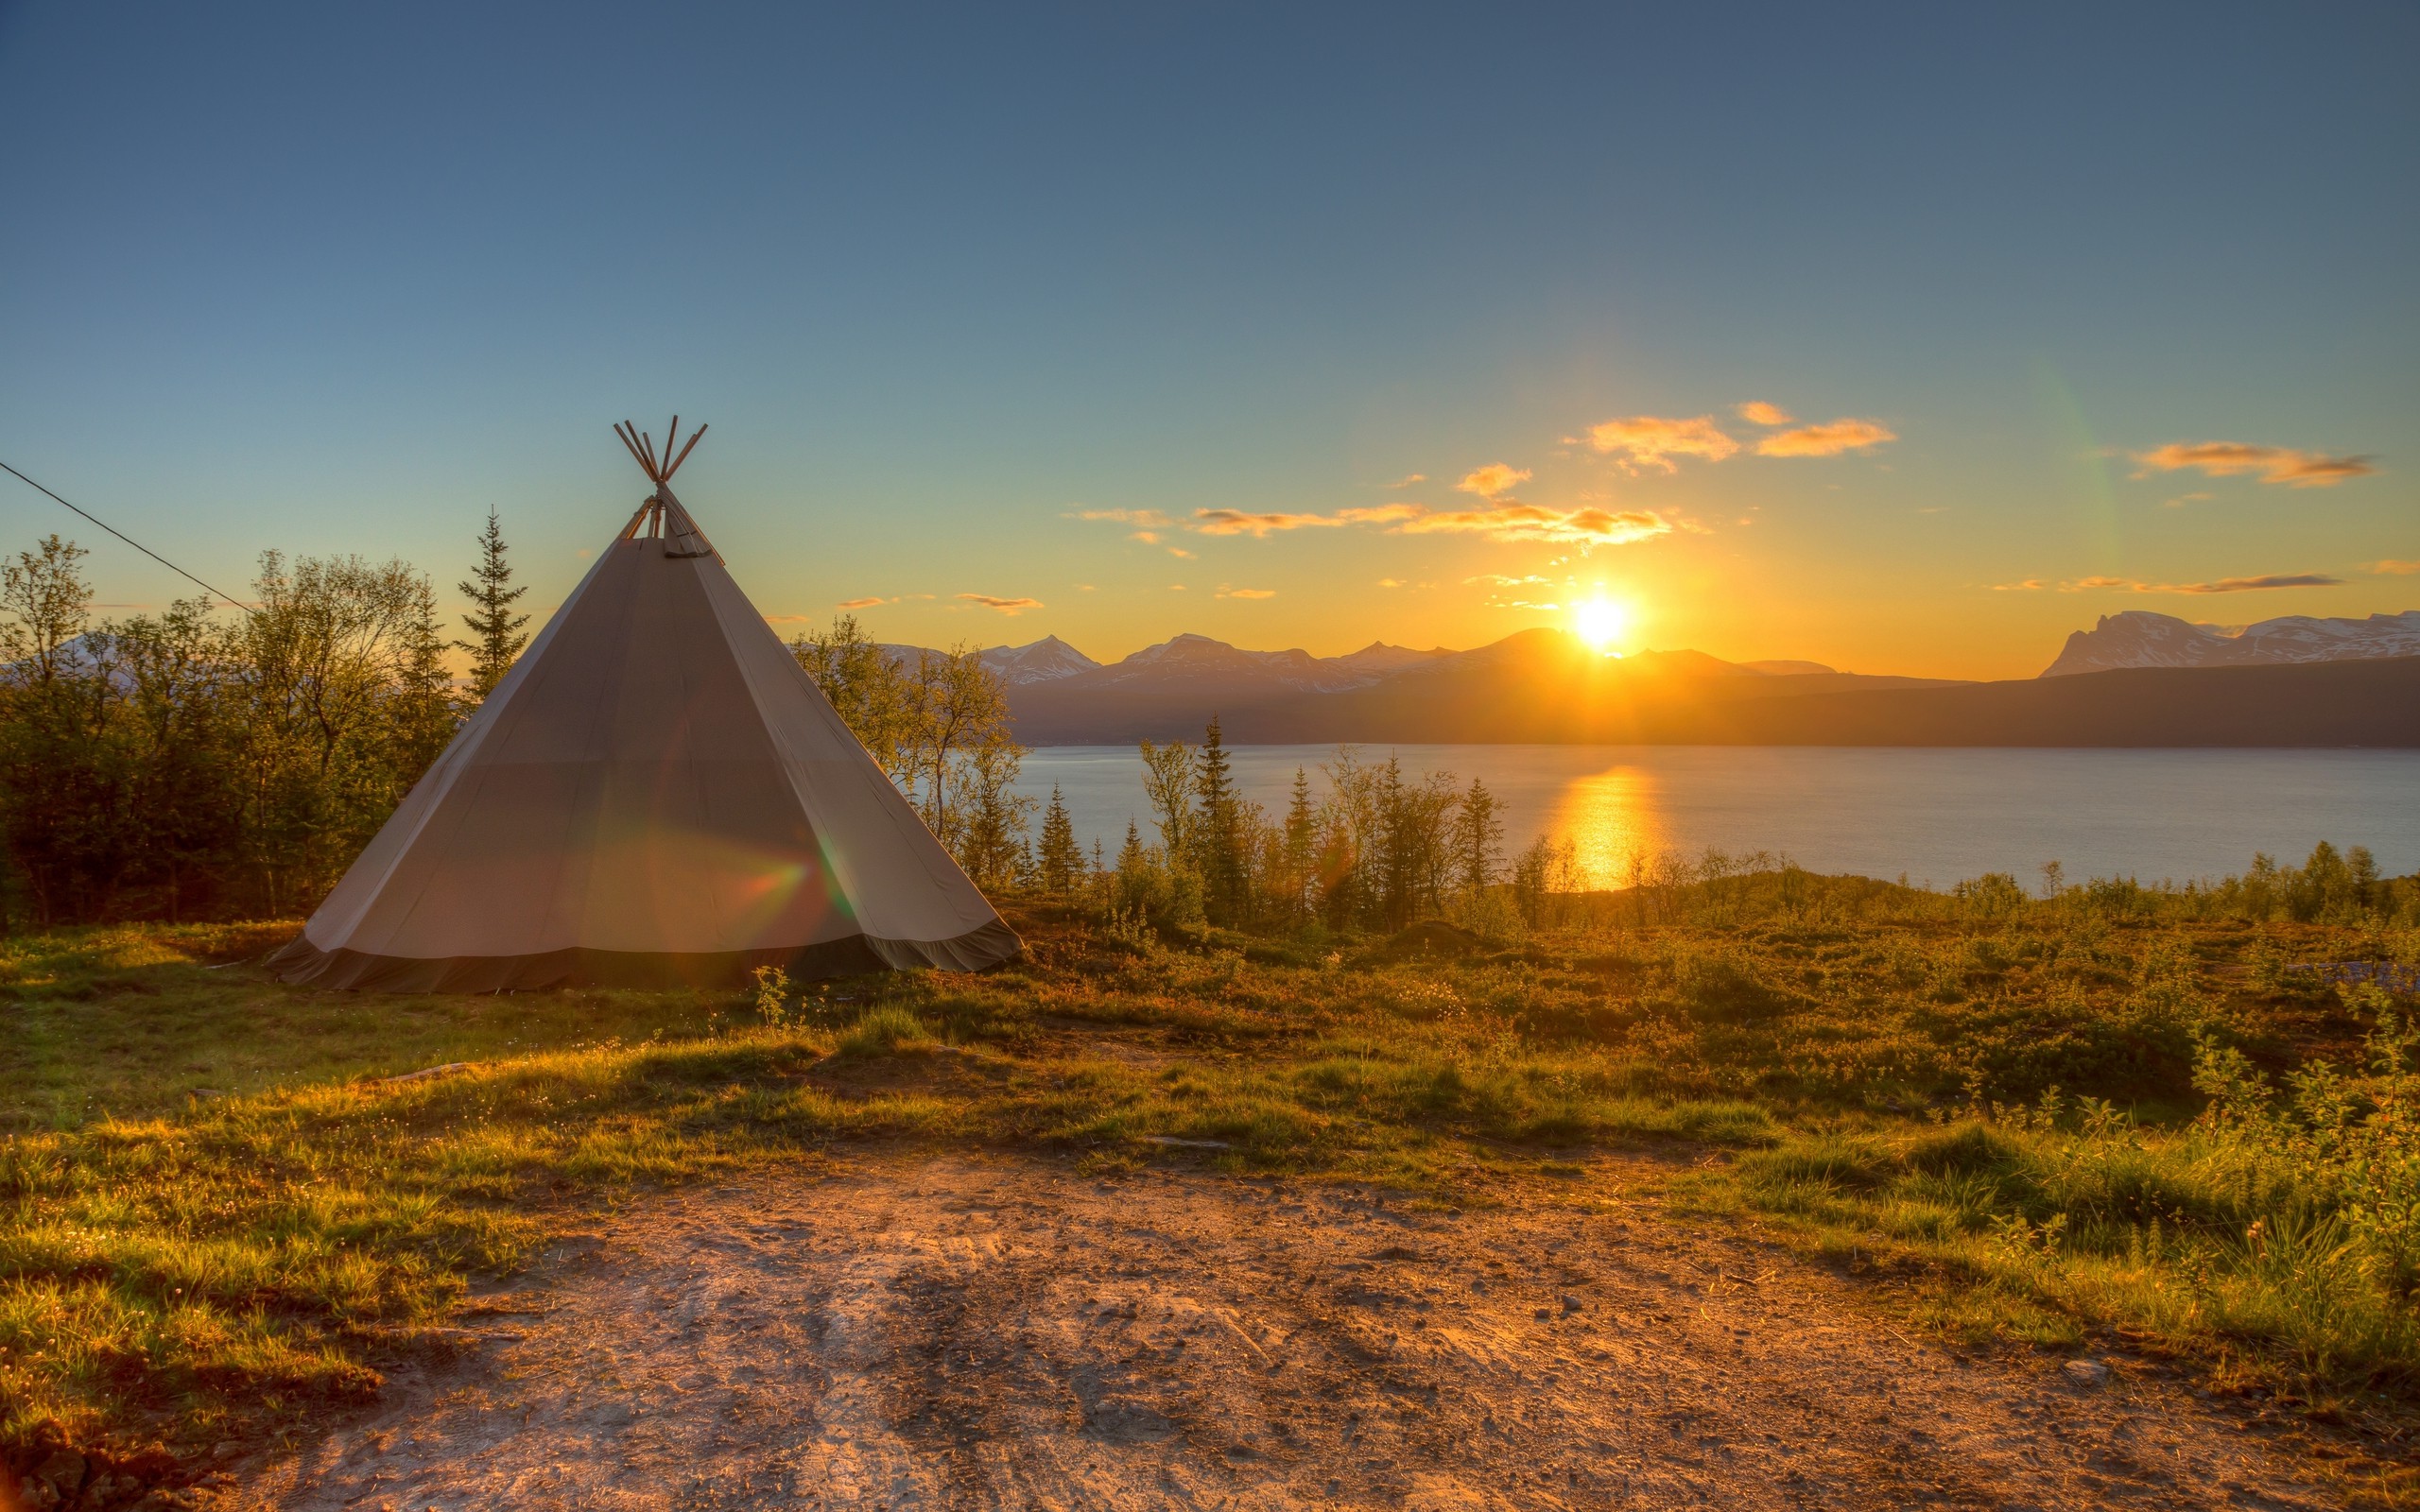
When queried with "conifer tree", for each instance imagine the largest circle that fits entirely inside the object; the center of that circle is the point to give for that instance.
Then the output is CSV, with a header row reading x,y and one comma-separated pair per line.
x,y
1478,835
1062,859
500,637
1302,841
1219,840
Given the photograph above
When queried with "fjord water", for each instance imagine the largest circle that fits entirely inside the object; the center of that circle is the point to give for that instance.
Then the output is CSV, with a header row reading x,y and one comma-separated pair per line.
x,y
1937,815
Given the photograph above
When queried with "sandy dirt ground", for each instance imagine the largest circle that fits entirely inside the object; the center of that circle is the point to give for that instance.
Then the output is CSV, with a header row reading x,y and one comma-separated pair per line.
x,y
897,1332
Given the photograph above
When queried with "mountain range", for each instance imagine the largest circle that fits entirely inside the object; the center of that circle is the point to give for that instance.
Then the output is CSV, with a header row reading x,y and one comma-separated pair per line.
x,y
2133,679
2138,638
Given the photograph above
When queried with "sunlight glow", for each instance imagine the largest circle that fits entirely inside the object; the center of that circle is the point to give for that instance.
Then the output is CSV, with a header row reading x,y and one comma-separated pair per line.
x,y
1601,622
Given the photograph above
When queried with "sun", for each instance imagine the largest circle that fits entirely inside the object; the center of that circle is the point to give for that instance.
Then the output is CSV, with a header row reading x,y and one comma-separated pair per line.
x,y
1601,622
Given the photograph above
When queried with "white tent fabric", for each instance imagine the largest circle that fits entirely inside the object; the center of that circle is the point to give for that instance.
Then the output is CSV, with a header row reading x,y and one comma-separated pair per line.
x,y
656,793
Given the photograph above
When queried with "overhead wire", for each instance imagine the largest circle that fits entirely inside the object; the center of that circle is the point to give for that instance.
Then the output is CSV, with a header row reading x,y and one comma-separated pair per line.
x,y
129,540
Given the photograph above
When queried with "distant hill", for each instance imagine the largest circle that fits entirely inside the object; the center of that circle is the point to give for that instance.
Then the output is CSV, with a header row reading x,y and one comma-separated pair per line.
x,y
1535,681
1543,686
1547,687
2142,639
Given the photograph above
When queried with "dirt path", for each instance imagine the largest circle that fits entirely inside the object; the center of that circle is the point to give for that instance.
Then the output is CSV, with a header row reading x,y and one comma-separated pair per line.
x,y
1002,1334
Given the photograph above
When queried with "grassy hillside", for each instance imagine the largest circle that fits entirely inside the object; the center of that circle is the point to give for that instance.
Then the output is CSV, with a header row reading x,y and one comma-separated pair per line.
x,y
2043,1121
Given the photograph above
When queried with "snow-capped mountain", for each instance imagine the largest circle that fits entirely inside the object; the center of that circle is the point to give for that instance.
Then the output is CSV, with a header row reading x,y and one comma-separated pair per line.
x,y
2138,638
1042,660
1199,659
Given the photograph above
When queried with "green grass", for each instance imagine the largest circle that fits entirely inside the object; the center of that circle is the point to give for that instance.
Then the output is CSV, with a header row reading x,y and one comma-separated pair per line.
x,y
197,1267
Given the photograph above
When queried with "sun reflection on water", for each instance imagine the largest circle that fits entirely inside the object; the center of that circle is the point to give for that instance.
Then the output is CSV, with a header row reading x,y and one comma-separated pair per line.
x,y
1611,818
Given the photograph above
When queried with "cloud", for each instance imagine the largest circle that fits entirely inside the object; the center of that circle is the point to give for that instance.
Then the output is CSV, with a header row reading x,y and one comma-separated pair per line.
x,y
1827,440
1502,581
1006,605
1652,440
2270,464
2399,569
1756,412
1224,592
1493,480
2029,585
2224,585
1149,537
1180,551
1146,518
1243,523
1409,479
1508,521
2183,499
863,603
1390,582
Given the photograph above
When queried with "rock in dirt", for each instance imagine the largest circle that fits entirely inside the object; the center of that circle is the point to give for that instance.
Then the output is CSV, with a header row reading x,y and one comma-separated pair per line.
x,y
2088,1372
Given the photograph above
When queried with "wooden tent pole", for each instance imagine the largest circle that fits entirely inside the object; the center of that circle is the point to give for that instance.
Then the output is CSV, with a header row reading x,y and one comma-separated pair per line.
x,y
685,455
633,449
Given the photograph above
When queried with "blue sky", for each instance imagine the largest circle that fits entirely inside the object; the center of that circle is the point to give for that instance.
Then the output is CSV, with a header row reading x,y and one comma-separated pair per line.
x,y
945,281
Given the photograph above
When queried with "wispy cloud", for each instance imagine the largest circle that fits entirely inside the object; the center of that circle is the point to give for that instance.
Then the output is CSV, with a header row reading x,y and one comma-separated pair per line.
x,y
2224,585
1146,518
1827,440
1502,581
2183,499
1224,592
1390,582
1409,479
1245,523
1654,440
2270,464
864,603
1528,522
1006,606
1180,551
1493,480
2029,585
2398,569
1756,412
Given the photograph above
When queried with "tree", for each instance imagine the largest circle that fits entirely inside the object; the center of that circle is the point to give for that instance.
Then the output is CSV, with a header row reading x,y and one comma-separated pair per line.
x,y
500,637
341,681
869,689
1167,781
1062,860
1478,838
1219,840
1301,845
960,729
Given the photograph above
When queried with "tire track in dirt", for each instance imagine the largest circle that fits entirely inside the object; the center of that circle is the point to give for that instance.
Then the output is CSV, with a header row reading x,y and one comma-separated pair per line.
x,y
1005,1333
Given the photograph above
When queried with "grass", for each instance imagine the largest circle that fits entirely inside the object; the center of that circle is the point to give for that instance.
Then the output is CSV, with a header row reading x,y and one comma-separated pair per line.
x,y
190,1266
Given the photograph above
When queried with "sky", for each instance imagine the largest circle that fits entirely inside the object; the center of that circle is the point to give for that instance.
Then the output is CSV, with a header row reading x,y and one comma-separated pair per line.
x,y
1904,339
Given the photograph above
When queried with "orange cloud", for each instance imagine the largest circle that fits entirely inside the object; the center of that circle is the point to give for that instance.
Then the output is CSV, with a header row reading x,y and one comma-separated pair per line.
x,y
1756,412
1006,606
1528,522
1826,440
861,602
2399,569
1493,480
1146,518
1243,523
1652,440
2270,464
1225,592
2224,585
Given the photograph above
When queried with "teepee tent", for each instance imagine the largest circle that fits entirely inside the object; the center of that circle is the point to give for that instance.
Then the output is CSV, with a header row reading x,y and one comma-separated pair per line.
x,y
656,793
